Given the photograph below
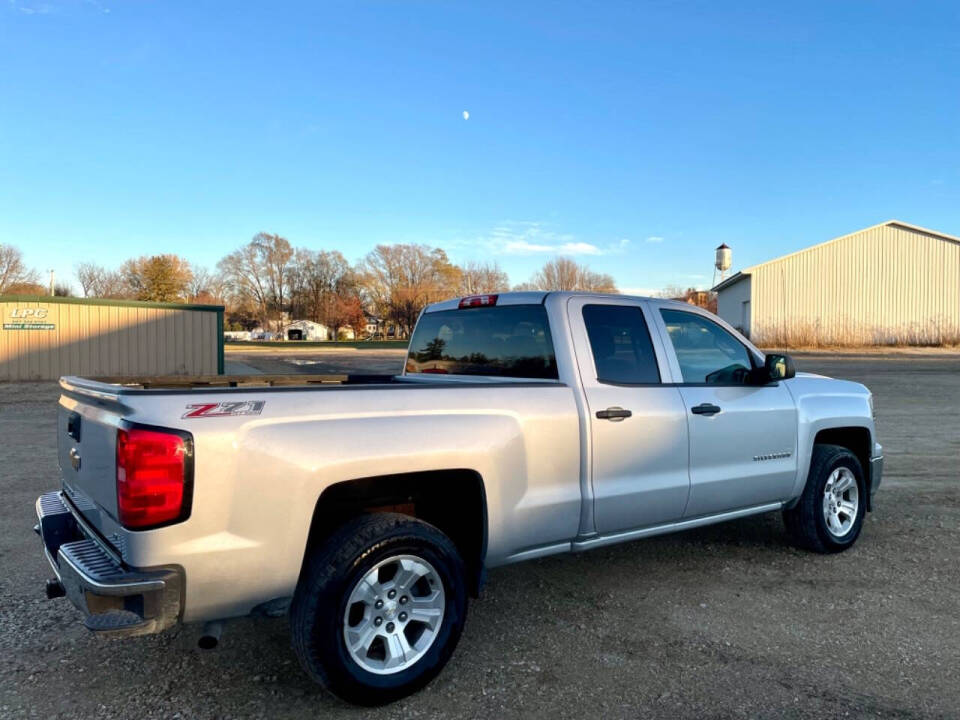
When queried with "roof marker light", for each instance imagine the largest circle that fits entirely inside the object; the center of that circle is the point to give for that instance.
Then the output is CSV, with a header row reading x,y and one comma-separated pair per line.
x,y
478,301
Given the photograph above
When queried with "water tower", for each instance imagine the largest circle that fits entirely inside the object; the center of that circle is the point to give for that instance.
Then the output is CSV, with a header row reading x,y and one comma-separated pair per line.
x,y
722,263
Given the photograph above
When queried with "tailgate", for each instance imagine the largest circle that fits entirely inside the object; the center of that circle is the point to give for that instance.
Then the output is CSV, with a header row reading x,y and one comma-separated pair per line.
x,y
86,450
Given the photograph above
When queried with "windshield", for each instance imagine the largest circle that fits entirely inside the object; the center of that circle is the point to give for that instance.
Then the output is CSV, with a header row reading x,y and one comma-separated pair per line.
x,y
507,341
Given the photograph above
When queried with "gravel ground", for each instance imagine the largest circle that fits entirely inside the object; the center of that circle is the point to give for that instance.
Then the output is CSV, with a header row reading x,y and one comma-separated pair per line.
x,y
721,622
320,361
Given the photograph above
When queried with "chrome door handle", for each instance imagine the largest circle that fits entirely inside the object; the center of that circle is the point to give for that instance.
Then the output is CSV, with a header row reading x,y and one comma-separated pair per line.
x,y
705,409
616,414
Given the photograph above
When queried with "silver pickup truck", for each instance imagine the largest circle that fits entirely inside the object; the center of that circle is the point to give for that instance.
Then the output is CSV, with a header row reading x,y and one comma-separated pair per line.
x,y
523,425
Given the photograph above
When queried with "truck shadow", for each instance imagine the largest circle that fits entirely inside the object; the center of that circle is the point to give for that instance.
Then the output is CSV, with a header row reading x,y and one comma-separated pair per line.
x,y
603,616
255,657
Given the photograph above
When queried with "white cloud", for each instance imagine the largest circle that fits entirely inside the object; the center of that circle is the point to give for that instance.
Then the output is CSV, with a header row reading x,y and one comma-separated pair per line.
x,y
42,9
531,238
46,8
523,247
580,248
655,239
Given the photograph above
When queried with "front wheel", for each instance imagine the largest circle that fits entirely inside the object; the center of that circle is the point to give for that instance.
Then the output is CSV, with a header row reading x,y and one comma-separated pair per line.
x,y
379,609
829,515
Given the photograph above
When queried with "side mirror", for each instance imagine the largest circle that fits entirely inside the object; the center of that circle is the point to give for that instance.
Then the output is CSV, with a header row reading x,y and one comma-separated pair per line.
x,y
779,367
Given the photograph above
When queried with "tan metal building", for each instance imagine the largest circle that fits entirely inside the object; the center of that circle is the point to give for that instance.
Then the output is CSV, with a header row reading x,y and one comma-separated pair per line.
x,y
892,283
44,338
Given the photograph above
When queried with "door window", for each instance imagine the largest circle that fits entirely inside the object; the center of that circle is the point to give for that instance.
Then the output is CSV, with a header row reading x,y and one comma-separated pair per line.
x,y
705,351
622,350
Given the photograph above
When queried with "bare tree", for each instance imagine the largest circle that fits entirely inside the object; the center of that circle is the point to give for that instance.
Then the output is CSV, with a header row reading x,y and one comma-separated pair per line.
x,y
672,292
96,281
89,275
399,280
482,277
318,281
260,273
200,281
566,274
245,275
275,255
207,287
299,300
12,270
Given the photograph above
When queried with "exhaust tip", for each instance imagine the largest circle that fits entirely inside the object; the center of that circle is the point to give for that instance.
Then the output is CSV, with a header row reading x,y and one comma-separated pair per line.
x,y
210,637
55,589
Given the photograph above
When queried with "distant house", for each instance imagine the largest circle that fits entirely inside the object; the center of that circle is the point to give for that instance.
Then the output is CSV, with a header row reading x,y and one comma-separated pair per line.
x,y
307,330
236,335
377,327
374,326
259,333
700,298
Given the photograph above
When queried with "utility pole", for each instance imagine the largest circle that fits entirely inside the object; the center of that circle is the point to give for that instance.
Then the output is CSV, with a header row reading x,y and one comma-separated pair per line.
x,y
51,282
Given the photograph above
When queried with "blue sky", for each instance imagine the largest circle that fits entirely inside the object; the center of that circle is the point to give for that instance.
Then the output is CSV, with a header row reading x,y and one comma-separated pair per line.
x,y
633,136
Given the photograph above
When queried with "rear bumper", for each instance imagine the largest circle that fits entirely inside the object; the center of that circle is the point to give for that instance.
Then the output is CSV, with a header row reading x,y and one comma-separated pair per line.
x,y
115,599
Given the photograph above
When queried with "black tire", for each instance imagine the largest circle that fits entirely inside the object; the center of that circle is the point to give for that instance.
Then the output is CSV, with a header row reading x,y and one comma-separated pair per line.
x,y
805,522
320,601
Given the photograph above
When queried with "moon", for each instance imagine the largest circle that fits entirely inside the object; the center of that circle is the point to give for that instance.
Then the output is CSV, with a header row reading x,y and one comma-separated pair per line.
x,y
466,115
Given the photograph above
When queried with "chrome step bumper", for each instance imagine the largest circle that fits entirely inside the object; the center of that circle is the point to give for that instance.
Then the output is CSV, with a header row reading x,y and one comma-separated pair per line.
x,y
115,599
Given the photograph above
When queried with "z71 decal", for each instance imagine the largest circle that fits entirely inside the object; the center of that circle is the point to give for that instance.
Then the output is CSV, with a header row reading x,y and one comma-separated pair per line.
x,y
224,409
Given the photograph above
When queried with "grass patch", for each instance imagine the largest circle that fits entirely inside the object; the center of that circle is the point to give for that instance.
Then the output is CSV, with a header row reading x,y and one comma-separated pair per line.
x,y
850,335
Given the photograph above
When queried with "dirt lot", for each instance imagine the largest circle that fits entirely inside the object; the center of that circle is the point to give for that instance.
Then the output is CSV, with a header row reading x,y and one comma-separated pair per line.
x,y
721,622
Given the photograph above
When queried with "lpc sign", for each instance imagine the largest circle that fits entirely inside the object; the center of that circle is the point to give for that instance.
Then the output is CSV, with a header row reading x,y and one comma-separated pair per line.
x,y
28,319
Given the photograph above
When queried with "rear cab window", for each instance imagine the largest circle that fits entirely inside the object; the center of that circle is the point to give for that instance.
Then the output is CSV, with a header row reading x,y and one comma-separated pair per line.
x,y
510,341
620,342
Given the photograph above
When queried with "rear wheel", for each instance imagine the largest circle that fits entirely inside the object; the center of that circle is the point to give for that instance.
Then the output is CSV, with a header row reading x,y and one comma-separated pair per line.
x,y
379,609
829,515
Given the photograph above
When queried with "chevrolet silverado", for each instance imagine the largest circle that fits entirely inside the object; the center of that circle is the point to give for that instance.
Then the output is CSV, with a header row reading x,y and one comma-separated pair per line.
x,y
369,508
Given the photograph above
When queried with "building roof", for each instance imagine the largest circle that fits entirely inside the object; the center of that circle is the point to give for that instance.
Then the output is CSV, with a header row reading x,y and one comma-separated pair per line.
x,y
108,302
304,323
737,277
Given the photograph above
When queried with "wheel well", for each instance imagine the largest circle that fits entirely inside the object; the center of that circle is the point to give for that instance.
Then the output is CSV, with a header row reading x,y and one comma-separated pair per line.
x,y
856,440
453,501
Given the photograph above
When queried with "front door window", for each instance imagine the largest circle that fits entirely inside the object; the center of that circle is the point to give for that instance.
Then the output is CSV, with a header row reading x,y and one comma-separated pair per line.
x,y
707,353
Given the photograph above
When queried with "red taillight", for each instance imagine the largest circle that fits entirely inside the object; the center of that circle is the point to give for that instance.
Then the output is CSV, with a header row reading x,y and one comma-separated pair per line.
x,y
478,301
152,482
